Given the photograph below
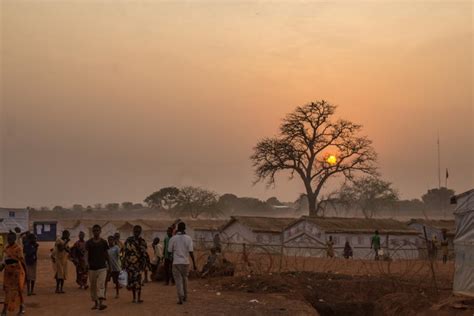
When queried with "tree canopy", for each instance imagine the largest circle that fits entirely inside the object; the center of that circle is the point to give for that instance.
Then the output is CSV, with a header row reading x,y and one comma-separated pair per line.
x,y
368,195
195,201
164,198
316,147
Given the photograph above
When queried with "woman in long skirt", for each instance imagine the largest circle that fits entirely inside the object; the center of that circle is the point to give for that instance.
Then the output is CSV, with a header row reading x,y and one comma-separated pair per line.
x,y
14,276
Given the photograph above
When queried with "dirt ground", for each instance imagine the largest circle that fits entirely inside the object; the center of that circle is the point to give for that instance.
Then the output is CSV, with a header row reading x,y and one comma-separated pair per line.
x,y
303,286
159,299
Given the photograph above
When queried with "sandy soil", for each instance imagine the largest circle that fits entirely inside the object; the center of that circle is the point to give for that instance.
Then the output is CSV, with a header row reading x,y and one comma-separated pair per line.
x,y
159,299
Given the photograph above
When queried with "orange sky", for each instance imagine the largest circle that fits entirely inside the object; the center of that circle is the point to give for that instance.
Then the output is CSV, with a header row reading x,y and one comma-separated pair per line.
x,y
109,100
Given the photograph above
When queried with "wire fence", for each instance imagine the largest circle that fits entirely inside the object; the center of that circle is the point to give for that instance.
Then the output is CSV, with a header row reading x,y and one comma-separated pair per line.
x,y
398,263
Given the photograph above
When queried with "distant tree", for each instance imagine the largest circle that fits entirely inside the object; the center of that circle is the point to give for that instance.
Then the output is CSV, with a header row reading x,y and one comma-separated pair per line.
x,y
89,208
77,207
438,199
314,146
164,198
228,203
274,201
369,195
58,208
195,201
45,208
301,203
137,206
112,206
127,206
98,206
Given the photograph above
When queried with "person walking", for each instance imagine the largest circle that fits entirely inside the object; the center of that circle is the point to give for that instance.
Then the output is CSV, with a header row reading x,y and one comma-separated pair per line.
x,y
330,248
135,261
375,244
157,258
348,250
167,257
78,257
114,265
14,276
60,258
30,250
97,259
181,247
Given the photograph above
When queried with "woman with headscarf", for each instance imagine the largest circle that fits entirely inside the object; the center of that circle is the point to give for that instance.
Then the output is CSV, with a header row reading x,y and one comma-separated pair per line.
x,y
78,257
14,276
135,261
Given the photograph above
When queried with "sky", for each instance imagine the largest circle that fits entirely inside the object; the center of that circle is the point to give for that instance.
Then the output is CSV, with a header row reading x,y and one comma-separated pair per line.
x,y
107,101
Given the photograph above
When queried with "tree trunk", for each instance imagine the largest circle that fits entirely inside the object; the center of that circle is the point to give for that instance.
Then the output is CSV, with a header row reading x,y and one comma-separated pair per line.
x,y
313,211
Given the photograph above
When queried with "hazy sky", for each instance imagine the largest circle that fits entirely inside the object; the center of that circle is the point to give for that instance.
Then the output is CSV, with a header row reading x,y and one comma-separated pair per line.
x,y
107,101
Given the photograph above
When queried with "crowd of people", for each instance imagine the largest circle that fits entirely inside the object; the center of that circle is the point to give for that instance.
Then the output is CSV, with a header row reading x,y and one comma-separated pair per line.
x,y
97,262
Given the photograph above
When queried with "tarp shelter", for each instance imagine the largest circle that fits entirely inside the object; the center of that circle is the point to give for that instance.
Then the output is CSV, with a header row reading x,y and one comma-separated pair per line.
x,y
464,243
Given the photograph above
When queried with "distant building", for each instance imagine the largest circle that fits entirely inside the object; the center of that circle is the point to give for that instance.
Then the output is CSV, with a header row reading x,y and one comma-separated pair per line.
x,y
307,236
13,217
257,230
463,243
433,227
158,228
203,230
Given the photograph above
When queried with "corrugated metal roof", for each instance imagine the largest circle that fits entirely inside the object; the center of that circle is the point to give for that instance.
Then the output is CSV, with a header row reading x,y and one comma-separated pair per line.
x,y
262,224
359,225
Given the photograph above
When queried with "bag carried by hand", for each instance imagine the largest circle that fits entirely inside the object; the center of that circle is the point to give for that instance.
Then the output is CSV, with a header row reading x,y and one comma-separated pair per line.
x,y
123,278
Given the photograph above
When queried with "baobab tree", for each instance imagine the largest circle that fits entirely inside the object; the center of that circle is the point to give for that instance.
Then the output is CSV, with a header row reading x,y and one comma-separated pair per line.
x,y
316,147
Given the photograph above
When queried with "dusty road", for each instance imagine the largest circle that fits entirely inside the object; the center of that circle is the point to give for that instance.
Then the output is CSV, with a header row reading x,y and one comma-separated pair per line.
x,y
159,299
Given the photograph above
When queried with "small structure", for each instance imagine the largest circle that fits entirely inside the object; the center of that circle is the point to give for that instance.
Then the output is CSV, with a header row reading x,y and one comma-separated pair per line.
x,y
111,227
265,231
434,227
158,228
126,230
45,230
464,243
10,218
203,230
307,236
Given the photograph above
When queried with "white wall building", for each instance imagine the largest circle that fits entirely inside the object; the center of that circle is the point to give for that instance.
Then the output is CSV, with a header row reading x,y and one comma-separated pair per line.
x,y
13,217
464,243
265,231
307,236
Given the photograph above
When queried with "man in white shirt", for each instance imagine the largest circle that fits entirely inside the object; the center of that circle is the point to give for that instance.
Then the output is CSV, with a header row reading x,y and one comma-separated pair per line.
x,y
181,246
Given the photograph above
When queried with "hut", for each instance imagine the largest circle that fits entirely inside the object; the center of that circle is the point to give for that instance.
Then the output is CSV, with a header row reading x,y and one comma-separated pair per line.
x,y
464,244
10,218
434,227
307,236
264,231
158,228
111,227
126,230
203,230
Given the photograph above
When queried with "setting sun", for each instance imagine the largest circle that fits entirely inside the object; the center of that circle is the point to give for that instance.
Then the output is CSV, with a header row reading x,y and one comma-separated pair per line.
x,y
332,160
